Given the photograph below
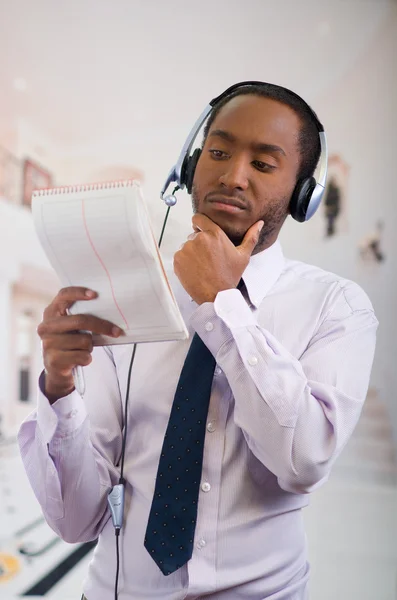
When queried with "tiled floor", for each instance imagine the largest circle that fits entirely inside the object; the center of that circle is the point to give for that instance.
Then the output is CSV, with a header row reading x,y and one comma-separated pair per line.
x,y
351,524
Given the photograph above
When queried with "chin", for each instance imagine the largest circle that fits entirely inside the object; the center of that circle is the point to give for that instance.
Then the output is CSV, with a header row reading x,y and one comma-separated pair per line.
x,y
235,234
234,231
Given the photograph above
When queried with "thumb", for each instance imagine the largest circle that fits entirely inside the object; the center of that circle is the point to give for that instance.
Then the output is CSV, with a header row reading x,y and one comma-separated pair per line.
x,y
251,238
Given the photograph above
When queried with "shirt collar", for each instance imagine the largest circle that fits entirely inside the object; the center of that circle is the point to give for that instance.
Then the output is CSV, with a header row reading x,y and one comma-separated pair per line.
x,y
262,272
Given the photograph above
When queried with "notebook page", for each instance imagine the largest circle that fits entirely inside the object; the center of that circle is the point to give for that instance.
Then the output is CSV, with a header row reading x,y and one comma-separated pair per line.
x,y
102,239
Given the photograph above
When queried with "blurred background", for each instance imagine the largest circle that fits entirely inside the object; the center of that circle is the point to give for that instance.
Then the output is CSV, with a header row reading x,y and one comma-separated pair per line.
x,y
93,90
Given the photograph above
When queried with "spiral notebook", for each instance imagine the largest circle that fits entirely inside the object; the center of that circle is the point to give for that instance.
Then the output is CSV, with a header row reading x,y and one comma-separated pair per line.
x,y
100,236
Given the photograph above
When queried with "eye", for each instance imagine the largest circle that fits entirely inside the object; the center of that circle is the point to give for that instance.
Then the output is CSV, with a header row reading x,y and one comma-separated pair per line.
x,y
262,166
218,154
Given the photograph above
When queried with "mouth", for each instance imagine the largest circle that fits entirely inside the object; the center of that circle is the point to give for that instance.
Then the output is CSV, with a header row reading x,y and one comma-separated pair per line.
x,y
226,203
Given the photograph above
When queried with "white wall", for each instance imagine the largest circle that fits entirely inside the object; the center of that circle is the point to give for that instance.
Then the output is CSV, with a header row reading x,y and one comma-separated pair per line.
x,y
360,117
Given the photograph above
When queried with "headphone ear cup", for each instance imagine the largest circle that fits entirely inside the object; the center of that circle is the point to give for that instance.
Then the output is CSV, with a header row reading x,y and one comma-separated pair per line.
x,y
300,198
189,168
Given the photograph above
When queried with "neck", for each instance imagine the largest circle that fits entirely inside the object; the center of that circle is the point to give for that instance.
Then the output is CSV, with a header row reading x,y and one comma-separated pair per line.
x,y
266,243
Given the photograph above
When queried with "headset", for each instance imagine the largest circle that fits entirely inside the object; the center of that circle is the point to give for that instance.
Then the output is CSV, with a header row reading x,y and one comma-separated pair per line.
x,y
308,192
305,200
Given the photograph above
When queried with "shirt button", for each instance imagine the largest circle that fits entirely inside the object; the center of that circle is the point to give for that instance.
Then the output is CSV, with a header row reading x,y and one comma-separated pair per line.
x,y
206,487
252,360
211,427
209,326
72,413
201,544
218,371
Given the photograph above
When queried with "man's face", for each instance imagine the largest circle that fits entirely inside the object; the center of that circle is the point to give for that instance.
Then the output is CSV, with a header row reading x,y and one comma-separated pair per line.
x,y
248,167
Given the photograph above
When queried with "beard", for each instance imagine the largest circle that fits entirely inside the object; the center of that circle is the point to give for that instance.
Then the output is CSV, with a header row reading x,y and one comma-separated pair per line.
x,y
273,217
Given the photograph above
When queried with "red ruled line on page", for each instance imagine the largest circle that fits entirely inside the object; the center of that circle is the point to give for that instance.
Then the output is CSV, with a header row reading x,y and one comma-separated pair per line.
x,y
103,265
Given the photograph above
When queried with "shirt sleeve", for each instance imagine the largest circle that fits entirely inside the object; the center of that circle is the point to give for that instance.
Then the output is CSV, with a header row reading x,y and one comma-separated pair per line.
x,y
71,468
296,414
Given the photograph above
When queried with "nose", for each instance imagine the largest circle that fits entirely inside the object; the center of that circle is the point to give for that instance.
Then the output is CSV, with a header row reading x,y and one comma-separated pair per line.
x,y
235,175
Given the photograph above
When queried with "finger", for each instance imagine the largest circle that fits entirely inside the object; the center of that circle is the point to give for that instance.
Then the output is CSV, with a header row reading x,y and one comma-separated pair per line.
x,y
251,238
70,323
203,223
68,341
63,362
192,236
66,297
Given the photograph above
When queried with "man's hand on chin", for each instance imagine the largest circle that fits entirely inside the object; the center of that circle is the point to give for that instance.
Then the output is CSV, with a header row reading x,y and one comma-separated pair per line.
x,y
208,262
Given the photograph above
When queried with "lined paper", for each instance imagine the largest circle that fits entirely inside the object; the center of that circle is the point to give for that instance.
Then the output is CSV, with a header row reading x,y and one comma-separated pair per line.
x,y
100,237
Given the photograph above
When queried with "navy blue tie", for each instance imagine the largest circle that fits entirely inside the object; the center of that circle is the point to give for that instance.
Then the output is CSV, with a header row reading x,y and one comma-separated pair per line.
x,y
172,519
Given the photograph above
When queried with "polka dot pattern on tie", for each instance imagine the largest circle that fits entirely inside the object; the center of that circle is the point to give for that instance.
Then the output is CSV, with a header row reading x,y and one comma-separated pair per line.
x,y
172,519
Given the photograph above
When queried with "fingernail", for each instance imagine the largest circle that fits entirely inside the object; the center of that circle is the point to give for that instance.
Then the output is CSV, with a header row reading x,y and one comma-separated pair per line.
x,y
261,226
116,331
90,294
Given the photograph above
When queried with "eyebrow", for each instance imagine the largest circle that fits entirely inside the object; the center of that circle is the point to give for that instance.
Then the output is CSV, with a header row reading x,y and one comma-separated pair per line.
x,y
258,147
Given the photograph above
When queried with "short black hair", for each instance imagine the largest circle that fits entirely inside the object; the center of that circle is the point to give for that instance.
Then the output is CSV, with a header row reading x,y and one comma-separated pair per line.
x,y
309,140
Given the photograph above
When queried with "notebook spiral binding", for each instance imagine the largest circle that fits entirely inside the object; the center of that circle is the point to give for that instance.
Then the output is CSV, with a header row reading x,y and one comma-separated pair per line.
x,y
86,187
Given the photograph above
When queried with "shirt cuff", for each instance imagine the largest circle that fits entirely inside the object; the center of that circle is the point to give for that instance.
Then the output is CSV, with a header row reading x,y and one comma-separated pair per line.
x,y
62,418
234,311
214,322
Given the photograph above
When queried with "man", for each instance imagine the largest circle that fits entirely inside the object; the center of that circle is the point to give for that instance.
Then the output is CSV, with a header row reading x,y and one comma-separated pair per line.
x,y
293,347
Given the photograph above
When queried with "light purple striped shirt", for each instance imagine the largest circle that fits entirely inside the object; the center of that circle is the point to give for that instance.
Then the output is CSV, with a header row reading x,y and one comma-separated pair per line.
x,y
293,367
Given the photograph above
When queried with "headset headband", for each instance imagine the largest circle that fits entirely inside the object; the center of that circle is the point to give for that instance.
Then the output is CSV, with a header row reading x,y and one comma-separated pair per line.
x,y
175,174
237,86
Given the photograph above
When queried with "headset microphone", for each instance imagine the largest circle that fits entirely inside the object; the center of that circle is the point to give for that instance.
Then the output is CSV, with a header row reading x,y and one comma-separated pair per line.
x,y
171,199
